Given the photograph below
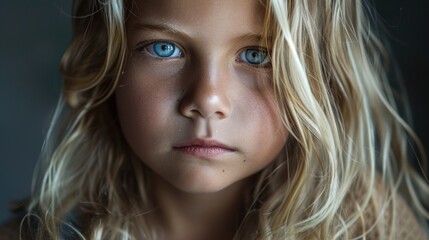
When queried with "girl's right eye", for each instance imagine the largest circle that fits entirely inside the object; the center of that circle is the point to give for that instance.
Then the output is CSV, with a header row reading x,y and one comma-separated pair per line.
x,y
162,49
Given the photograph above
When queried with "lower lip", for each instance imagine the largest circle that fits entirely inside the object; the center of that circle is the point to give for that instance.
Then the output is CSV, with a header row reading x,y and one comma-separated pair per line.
x,y
204,152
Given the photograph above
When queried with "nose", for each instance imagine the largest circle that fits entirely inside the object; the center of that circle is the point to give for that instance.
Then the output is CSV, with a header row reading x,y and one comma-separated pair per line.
x,y
207,92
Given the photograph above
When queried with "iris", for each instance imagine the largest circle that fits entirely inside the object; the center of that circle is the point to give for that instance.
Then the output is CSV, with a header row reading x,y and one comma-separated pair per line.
x,y
254,56
164,50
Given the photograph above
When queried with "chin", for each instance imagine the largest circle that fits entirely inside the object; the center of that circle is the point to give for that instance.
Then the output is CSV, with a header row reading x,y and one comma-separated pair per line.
x,y
200,180
200,186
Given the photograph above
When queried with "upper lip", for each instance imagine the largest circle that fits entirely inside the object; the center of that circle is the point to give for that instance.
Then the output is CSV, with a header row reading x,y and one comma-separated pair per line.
x,y
204,143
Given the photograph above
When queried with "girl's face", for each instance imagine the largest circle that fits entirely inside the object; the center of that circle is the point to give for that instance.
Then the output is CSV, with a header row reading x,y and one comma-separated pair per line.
x,y
194,101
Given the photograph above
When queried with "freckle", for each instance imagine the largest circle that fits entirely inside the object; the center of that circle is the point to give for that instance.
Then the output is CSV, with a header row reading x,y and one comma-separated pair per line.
x,y
223,170
244,160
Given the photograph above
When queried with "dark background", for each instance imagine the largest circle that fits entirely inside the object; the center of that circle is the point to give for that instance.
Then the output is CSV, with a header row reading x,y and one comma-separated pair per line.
x,y
34,34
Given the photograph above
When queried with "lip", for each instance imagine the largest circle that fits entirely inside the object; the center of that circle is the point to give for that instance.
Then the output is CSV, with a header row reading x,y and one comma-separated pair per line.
x,y
203,148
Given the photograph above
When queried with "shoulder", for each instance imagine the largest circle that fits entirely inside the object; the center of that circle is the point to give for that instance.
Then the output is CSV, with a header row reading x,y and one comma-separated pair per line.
x,y
405,221
385,216
22,227
17,227
10,230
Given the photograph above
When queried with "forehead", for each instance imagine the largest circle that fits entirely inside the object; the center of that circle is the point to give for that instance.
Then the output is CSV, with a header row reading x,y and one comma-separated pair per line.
x,y
222,16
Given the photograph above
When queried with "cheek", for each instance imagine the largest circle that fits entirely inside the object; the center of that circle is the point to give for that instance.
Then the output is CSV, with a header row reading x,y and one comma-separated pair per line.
x,y
262,130
146,89
143,107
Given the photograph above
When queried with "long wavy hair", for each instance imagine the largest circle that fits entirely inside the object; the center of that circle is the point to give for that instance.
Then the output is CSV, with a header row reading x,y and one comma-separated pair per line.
x,y
331,87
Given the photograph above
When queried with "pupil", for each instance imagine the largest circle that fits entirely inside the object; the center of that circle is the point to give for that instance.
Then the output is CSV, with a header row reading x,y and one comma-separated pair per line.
x,y
255,56
166,47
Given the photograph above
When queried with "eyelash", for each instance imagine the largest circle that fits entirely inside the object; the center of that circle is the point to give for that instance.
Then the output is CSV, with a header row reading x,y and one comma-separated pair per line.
x,y
174,51
150,49
247,52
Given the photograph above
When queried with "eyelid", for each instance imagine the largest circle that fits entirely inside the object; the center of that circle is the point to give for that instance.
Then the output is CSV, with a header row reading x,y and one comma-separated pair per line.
x,y
264,65
141,48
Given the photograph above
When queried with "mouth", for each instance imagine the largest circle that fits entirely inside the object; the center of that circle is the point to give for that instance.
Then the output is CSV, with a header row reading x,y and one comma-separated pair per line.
x,y
202,148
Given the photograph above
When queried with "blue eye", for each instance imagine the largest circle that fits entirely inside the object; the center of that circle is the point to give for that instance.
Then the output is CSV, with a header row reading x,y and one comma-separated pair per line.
x,y
254,56
163,50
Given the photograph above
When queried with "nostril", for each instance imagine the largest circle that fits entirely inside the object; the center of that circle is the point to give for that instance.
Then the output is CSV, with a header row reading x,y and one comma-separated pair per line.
x,y
220,115
213,107
204,100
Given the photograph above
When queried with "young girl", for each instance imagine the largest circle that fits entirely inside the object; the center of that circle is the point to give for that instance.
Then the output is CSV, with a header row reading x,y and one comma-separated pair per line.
x,y
240,119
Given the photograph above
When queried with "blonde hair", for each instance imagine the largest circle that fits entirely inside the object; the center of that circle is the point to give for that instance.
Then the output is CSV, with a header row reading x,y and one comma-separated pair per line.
x,y
333,96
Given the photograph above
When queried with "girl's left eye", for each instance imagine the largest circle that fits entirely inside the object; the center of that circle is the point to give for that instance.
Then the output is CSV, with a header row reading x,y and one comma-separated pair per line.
x,y
163,49
254,56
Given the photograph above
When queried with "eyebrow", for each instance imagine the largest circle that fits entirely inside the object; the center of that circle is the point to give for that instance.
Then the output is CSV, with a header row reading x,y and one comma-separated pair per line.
x,y
158,28
170,30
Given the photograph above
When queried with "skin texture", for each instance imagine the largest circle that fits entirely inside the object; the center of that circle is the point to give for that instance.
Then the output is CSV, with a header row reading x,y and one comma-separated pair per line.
x,y
203,121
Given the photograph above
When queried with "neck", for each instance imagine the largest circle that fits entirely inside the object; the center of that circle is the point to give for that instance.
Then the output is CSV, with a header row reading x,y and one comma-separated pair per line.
x,y
182,215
